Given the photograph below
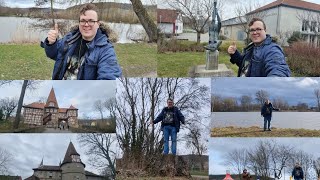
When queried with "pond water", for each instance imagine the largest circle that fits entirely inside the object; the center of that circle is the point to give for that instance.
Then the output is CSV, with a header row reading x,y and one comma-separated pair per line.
x,y
306,120
18,28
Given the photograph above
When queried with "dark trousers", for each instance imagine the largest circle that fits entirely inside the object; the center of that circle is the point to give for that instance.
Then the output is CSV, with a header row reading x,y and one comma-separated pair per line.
x,y
267,120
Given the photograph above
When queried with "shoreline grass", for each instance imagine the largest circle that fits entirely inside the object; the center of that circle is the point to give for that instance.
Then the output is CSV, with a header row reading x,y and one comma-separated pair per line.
x,y
255,131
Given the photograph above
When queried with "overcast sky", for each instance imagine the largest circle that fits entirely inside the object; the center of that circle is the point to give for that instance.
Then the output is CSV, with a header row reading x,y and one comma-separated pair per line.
x,y
219,147
30,3
229,5
29,149
80,94
293,90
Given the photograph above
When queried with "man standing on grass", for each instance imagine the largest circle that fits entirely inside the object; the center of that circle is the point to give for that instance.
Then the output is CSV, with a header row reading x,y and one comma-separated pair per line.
x,y
84,53
170,117
266,112
262,57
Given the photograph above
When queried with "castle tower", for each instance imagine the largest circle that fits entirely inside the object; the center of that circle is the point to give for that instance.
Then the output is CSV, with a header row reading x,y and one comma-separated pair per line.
x,y
52,107
72,167
72,114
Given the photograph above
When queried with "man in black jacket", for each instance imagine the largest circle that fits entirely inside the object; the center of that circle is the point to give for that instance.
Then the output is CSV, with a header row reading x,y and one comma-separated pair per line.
x,y
266,112
170,117
297,172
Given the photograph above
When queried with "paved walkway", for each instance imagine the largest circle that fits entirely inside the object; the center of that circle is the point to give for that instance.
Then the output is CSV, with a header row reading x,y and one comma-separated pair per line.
x,y
52,130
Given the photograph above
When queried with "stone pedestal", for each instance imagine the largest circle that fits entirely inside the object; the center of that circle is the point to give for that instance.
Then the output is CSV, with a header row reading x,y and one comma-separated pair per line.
x,y
212,60
222,71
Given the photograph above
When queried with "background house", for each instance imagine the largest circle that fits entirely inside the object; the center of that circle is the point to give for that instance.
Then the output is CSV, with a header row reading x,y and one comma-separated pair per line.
x,y
282,18
169,21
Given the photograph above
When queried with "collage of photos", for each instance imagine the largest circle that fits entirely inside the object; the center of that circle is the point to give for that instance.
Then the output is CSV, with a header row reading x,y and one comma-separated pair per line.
x,y
160,90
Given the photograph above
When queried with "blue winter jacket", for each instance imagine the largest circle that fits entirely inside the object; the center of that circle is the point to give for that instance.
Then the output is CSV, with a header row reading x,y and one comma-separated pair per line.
x,y
100,58
265,60
177,116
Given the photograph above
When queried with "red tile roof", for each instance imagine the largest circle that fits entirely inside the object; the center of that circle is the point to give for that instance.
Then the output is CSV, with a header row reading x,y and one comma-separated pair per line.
x,y
167,15
52,98
63,110
291,3
36,105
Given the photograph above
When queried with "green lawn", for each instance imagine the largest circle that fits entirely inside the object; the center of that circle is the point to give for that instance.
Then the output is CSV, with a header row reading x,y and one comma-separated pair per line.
x,y
179,64
28,61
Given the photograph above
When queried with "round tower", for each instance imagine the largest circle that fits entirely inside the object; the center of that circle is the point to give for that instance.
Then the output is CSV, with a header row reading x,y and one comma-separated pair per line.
x,y
72,166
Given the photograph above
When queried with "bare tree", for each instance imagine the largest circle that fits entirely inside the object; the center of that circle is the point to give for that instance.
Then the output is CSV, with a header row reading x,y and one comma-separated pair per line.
x,y
197,13
317,94
245,12
3,82
196,142
5,160
246,102
98,106
237,160
280,103
262,96
305,160
139,101
27,84
100,150
8,105
316,167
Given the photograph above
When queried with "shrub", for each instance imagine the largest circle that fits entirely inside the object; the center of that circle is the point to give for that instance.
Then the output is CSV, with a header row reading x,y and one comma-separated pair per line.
x,y
303,59
295,37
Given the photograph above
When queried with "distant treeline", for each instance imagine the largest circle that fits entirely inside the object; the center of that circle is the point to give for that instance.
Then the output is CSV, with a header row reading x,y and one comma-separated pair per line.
x,y
108,11
247,103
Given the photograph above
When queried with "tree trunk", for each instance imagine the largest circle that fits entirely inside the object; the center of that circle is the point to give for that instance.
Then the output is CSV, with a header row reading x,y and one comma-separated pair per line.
x,y
149,26
23,90
198,37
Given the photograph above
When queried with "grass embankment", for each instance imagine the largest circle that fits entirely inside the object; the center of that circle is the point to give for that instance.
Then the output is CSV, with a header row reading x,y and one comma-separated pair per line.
x,y
28,61
255,131
7,127
178,58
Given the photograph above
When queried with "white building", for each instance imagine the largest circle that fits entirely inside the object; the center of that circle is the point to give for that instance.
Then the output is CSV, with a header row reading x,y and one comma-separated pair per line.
x,y
169,21
282,18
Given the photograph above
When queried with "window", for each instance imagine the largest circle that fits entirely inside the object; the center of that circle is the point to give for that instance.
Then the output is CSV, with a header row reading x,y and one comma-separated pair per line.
x,y
51,104
305,25
313,26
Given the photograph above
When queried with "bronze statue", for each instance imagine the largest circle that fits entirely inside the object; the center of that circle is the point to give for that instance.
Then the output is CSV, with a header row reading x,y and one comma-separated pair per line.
x,y
214,30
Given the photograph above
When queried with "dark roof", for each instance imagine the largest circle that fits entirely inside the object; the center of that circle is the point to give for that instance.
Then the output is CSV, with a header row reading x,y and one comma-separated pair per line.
x,y
290,3
48,168
88,173
167,15
52,98
35,105
70,151
32,178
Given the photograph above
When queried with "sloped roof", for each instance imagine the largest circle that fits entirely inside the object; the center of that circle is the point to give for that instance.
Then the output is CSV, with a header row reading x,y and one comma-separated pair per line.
x,y
35,105
52,98
32,178
88,173
48,168
72,107
70,151
63,110
291,3
167,15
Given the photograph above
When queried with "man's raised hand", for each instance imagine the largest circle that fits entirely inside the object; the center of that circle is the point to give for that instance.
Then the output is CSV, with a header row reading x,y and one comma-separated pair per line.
x,y
53,34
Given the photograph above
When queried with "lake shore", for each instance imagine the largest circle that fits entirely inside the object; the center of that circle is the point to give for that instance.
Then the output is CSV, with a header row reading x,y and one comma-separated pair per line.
x,y
255,131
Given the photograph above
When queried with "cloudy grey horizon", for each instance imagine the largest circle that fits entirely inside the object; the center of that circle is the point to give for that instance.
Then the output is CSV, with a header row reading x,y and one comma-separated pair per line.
x,y
293,90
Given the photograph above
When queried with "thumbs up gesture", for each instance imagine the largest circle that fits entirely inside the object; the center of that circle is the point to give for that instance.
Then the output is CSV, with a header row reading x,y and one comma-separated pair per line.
x,y
53,34
232,48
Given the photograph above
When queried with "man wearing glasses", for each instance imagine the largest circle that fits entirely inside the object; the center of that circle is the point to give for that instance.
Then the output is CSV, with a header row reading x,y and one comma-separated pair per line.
x,y
170,117
84,53
262,57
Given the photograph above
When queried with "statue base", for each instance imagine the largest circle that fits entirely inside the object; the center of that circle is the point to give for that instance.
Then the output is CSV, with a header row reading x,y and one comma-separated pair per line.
x,y
222,71
212,60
